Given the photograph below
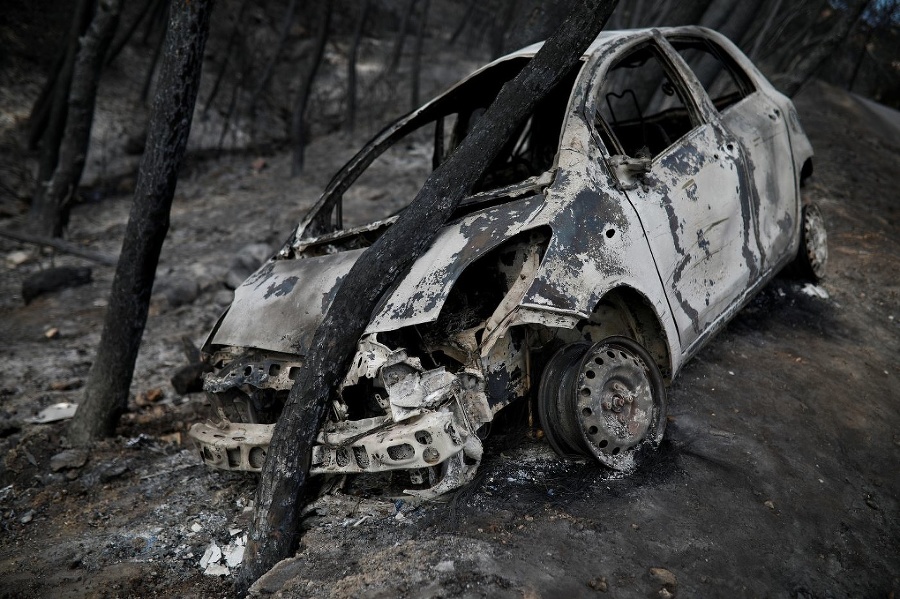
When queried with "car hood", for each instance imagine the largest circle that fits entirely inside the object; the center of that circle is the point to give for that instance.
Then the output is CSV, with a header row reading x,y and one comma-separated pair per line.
x,y
280,305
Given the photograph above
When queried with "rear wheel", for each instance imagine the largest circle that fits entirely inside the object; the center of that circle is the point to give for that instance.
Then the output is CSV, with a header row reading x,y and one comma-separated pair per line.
x,y
605,401
812,256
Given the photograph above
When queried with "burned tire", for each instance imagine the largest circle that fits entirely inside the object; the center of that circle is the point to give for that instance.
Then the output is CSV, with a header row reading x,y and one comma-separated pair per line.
x,y
606,401
812,256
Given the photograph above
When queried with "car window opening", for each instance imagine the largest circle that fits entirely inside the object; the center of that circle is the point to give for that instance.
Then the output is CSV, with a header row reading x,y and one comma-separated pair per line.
x,y
725,82
396,169
640,108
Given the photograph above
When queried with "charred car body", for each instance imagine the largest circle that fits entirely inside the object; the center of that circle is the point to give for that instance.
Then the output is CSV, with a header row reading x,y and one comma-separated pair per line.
x,y
646,200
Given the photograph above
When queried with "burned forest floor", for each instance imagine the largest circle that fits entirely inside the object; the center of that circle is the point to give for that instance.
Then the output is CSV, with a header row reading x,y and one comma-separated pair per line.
x,y
778,477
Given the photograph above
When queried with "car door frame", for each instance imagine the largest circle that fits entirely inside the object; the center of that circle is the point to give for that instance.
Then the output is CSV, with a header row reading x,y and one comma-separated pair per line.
x,y
693,327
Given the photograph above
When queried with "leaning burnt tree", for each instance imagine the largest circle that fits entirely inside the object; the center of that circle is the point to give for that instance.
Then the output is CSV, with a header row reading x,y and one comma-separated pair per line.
x,y
284,487
106,392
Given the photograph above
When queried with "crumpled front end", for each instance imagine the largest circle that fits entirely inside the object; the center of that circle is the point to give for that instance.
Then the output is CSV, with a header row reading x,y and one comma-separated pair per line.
x,y
392,414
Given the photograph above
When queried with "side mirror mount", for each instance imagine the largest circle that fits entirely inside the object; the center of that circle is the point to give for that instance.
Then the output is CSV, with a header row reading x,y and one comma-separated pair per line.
x,y
629,171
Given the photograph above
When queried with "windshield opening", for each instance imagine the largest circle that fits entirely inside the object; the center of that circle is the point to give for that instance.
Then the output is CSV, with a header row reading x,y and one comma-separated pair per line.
x,y
384,177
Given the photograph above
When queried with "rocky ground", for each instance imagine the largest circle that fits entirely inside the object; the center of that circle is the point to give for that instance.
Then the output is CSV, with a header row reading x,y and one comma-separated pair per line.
x,y
778,477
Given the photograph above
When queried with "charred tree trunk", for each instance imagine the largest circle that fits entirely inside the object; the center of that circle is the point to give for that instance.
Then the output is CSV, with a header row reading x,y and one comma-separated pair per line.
x,y
351,67
50,210
275,529
417,57
299,129
106,392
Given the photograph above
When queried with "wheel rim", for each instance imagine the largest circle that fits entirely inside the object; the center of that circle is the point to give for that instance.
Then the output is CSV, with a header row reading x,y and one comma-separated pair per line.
x,y
815,239
603,401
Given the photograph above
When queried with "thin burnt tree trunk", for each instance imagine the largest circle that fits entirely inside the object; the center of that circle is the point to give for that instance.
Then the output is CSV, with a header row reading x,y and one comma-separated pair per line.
x,y
283,488
417,57
397,52
299,128
763,34
351,67
117,47
50,211
106,392
805,67
49,122
235,28
148,79
55,94
286,23
467,16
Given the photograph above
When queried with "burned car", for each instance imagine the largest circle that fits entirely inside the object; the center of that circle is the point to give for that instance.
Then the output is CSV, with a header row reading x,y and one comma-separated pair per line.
x,y
642,204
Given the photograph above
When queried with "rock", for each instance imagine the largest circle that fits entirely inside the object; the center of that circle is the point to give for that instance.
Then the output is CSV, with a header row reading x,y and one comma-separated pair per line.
x,y
446,565
599,584
27,517
176,291
70,458
665,593
248,259
664,576
54,279
217,570
51,333
14,259
769,504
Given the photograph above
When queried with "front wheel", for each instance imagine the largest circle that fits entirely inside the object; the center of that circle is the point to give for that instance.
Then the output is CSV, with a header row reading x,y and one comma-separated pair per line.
x,y
606,401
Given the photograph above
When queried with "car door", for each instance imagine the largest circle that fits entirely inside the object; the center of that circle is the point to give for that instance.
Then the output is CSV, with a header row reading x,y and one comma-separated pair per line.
x,y
683,173
756,121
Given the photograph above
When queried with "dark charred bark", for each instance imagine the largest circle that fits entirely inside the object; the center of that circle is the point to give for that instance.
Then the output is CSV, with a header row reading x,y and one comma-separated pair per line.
x,y
351,67
417,56
106,392
50,209
299,129
283,488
